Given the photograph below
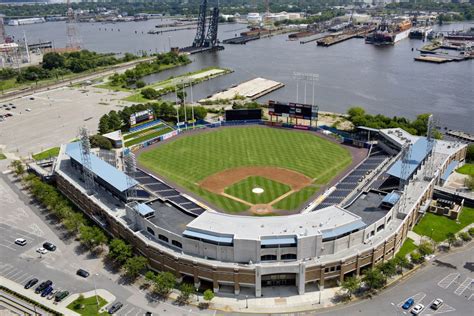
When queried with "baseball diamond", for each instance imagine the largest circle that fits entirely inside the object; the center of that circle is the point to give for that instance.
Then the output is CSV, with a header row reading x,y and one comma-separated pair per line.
x,y
216,165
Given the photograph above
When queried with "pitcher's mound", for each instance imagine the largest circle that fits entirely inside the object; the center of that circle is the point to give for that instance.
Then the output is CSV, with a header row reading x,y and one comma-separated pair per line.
x,y
257,190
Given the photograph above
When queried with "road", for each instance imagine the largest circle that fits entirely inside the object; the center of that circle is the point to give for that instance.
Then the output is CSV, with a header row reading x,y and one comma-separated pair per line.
x,y
23,218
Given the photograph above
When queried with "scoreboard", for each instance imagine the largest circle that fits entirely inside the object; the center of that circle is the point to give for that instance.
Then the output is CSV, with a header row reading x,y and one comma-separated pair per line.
x,y
293,110
243,115
140,117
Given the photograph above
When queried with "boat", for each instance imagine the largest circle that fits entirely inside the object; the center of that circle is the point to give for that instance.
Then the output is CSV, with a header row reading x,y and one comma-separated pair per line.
x,y
420,32
390,32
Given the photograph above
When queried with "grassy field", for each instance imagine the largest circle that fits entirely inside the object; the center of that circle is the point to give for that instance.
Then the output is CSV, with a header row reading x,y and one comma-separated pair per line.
x,y
148,136
295,199
243,190
189,160
437,226
467,169
407,247
90,306
52,152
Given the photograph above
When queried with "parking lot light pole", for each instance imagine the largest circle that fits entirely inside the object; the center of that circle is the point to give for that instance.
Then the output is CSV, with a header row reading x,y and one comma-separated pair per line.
x,y
95,291
246,301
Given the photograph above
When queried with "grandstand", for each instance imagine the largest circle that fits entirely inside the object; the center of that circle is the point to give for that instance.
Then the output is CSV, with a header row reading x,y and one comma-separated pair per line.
x,y
363,220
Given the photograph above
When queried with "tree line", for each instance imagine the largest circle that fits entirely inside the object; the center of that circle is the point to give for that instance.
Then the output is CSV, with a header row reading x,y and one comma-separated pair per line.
x,y
131,77
359,117
56,65
163,110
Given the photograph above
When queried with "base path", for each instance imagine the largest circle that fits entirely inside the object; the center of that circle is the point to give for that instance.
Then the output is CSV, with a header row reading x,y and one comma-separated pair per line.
x,y
219,181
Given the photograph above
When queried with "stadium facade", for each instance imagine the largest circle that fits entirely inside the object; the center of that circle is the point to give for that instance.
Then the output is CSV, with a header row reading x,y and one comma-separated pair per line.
x,y
360,222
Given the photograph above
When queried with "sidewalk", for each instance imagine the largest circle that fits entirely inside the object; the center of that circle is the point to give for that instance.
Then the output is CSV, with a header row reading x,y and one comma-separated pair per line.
x,y
42,300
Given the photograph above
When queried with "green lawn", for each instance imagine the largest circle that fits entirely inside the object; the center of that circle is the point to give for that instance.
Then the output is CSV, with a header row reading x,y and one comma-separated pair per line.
x,y
294,200
148,136
90,306
243,190
134,134
442,225
467,169
52,152
189,160
407,247
108,86
138,97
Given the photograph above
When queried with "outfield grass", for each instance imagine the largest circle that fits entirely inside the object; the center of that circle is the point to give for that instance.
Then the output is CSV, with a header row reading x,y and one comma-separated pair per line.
x,y
90,306
407,247
441,225
48,153
189,160
294,200
467,169
148,136
243,190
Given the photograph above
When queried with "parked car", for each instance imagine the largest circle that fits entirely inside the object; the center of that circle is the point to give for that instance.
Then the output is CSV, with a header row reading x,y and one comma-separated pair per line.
x,y
32,98
82,273
40,288
417,309
8,109
60,296
49,246
30,283
436,303
115,307
408,303
42,251
20,241
47,291
28,110
52,294
13,107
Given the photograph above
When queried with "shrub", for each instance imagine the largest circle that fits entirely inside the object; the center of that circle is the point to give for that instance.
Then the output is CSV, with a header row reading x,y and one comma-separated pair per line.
x,y
465,236
140,84
101,142
471,231
416,257
425,249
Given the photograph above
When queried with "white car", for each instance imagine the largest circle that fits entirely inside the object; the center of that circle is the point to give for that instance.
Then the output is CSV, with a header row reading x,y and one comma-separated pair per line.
x,y
417,309
20,241
28,110
42,251
436,303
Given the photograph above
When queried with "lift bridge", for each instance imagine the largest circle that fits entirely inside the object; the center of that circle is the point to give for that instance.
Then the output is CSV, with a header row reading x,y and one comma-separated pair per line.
x,y
205,41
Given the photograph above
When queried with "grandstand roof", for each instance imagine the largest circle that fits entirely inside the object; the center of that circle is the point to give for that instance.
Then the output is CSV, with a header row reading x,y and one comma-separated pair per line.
x,y
419,151
340,230
452,165
114,177
391,198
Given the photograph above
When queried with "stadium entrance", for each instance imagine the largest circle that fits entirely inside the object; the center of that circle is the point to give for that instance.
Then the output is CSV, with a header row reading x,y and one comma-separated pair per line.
x,y
280,279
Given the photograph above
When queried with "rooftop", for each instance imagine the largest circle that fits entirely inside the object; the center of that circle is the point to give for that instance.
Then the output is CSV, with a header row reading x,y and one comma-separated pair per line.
x,y
169,218
101,169
249,227
367,206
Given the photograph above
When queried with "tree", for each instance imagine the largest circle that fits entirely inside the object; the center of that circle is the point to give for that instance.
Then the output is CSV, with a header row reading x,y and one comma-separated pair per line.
x,y
416,257
469,182
140,84
92,237
374,279
150,93
356,111
164,282
186,290
134,265
17,167
104,124
470,153
115,122
389,268
425,248
74,221
100,141
450,238
53,60
351,284
150,276
119,250
181,94
402,263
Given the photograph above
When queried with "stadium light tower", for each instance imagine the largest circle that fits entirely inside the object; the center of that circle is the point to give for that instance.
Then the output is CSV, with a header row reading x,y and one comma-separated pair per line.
x,y
85,149
306,77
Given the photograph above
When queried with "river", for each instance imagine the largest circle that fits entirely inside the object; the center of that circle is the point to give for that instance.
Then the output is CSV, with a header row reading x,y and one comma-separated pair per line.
x,y
381,79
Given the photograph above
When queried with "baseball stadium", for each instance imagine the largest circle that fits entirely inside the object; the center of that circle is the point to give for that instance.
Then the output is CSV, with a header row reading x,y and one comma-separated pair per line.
x,y
244,206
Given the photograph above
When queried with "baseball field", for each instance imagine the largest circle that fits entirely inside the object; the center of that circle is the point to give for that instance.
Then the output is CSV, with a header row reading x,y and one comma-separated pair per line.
x,y
256,170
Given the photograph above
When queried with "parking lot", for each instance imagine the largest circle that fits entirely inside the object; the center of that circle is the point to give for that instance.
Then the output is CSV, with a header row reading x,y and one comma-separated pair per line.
x,y
47,119
21,218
